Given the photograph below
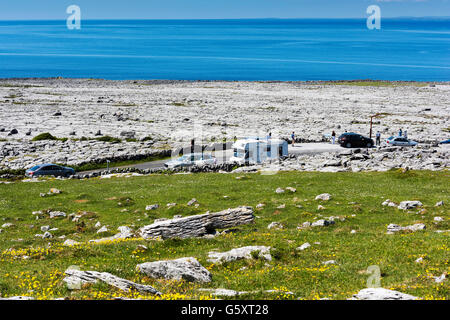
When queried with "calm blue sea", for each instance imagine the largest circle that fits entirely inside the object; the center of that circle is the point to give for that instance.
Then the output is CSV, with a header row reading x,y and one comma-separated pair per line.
x,y
267,49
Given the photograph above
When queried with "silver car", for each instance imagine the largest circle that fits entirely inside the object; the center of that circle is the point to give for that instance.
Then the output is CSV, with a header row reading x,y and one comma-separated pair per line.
x,y
191,159
400,142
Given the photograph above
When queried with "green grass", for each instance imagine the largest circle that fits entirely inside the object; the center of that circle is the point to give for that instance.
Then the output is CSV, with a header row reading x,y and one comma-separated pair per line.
x,y
301,272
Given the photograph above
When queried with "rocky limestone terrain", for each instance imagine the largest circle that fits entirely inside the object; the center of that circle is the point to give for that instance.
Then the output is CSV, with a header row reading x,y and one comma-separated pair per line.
x,y
167,114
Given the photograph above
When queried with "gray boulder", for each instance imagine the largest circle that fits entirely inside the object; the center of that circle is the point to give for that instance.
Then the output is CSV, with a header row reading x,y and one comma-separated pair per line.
x,y
240,253
188,269
382,294
76,278
405,205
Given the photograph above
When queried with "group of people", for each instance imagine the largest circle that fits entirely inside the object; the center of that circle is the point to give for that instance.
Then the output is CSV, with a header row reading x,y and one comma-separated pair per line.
x,y
333,136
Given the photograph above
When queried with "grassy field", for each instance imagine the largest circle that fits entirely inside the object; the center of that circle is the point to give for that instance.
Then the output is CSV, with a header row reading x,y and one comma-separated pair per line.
x,y
121,201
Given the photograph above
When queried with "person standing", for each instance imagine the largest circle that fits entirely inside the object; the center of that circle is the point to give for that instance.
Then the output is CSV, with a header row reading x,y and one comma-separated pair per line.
x,y
400,132
333,137
293,138
378,135
405,134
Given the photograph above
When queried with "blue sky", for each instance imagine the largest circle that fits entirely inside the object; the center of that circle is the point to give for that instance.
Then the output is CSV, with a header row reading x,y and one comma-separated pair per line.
x,y
218,9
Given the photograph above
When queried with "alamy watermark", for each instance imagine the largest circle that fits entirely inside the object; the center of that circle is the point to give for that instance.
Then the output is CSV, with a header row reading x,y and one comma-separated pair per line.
x,y
374,20
374,280
74,20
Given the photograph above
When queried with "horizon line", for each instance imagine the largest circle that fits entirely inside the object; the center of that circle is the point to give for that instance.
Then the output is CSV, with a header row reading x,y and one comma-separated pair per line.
x,y
266,18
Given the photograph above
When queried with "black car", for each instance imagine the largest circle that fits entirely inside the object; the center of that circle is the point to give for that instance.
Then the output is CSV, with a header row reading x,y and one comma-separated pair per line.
x,y
49,169
354,140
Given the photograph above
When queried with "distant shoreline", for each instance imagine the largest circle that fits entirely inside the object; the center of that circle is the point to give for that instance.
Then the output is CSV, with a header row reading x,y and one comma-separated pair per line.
x,y
168,81
236,19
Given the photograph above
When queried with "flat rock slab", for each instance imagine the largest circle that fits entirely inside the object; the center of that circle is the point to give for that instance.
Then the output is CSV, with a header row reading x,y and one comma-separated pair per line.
x,y
124,233
76,278
323,197
198,225
392,228
382,294
405,205
188,269
18,298
240,253
222,292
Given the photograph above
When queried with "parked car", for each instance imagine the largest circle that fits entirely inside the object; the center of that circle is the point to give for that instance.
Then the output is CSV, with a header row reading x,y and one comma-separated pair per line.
x,y
400,141
445,141
191,159
49,169
354,140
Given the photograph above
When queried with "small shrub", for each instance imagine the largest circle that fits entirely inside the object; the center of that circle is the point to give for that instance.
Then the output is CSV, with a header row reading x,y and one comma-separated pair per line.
x,y
108,139
44,136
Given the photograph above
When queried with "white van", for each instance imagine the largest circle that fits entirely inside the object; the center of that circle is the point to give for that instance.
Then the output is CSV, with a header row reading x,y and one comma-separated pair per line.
x,y
255,150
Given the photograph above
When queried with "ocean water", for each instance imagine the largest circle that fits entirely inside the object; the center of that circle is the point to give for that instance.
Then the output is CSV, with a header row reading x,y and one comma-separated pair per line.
x,y
266,49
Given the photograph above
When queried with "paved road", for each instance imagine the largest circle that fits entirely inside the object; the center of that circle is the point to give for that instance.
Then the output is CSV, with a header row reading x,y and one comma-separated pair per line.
x,y
223,156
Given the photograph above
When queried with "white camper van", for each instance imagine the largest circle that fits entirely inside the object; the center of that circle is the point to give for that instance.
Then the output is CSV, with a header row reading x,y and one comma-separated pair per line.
x,y
255,150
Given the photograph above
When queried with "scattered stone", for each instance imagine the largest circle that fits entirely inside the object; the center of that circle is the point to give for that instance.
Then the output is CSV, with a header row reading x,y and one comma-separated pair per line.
x,y
281,206
275,225
320,207
192,201
304,246
329,262
322,223
45,228
240,253
222,292
47,235
323,196
260,205
439,204
76,278
70,243
7,225
291,189
279,190
405,205
170,205
438,219
56,214
389,203
441,278
152,207
124,233
382,294
102,229
188,269
392,228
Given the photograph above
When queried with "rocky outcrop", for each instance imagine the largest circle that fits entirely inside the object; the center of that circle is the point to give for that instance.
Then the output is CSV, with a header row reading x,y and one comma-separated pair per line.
x,y
198,225
188,269
76,279
392,228
382,294
240,253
